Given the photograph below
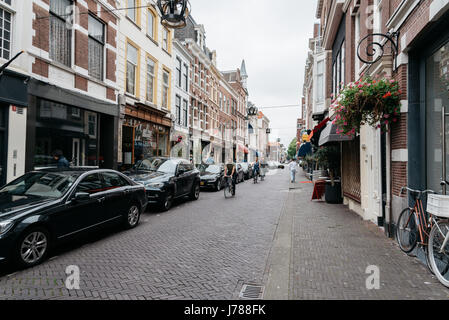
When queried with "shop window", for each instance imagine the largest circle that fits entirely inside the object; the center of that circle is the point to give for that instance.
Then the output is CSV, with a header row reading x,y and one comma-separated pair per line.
x,y
437,96
96,48
60,32
131,69
5,33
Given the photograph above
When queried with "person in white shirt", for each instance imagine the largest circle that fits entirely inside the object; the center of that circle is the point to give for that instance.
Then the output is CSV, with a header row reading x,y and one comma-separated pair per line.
x,y
292,166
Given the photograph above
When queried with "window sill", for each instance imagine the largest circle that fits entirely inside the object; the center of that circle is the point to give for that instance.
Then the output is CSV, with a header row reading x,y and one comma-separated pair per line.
x,y
152,40
133,22
166,52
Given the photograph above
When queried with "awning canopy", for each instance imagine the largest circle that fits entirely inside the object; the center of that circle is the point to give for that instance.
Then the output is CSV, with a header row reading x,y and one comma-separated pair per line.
x,y
329,134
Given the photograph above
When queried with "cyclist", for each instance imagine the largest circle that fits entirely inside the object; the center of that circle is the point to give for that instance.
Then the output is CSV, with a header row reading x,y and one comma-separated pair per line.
x,y
256,167
230,171
263,168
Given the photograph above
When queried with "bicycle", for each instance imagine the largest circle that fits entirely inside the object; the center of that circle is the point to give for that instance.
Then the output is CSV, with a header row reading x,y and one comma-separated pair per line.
x,y
413,222
255,176
439,246
229,189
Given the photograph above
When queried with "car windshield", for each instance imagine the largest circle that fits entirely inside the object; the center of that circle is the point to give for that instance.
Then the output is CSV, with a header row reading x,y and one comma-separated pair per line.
x,y
157,164
210,169
40,184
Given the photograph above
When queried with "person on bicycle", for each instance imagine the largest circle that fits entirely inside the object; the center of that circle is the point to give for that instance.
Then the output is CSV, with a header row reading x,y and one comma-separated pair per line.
x,y
256,168
230,171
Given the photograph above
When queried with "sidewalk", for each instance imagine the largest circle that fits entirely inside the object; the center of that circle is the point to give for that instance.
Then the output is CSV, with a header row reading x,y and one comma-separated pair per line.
x,y
326,249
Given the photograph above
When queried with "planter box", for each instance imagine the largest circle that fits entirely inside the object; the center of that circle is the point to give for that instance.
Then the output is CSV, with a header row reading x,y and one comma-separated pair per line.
x,y
333,193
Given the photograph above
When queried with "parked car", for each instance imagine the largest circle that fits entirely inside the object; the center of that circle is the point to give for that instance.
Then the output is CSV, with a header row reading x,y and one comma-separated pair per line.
x,y
212,176
45,207
166,179
247,170
279,165
240,173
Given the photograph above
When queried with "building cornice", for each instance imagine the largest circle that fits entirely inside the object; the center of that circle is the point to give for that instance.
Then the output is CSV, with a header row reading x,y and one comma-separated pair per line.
x,y
401,14
336,13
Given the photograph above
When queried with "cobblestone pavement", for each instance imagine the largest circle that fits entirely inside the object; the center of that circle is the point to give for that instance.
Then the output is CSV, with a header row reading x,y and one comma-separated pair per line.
x,y
332,248
205,249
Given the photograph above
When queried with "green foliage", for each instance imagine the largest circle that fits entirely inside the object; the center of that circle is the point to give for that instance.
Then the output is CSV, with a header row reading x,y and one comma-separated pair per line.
x,y
372,102
291,152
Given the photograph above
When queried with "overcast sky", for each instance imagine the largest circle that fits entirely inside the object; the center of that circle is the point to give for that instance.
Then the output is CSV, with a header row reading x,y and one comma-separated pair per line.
x,y
272,37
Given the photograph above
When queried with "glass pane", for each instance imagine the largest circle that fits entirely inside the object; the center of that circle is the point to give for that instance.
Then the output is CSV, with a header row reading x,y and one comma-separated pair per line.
x,y
95,59
60,7
131,10
150,24
91,184
130,77
132,54
437,96
96,29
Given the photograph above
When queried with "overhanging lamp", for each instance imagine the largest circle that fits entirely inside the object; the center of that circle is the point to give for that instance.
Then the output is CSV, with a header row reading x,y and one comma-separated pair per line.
x,y
174,13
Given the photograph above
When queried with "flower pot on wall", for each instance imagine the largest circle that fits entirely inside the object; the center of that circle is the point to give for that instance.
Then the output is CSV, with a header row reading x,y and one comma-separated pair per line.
x,y
333,192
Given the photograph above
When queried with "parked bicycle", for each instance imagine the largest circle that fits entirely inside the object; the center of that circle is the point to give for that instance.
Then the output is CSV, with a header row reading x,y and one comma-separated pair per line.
x,y
229,189
413,226
439,237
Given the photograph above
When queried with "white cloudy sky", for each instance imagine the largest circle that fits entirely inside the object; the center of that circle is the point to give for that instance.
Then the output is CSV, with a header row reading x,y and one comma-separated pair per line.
x,y
272,36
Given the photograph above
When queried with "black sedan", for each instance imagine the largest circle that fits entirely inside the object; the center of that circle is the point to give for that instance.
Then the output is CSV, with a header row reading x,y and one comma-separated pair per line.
x,y
247,170
166,179
42,208
212,176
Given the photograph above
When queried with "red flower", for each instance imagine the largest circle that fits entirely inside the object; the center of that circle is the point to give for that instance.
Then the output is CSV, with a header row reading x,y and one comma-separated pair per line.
x,y
388,94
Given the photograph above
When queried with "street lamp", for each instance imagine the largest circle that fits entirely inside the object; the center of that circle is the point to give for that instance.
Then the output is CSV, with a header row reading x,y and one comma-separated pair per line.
x,y
268,131
174,13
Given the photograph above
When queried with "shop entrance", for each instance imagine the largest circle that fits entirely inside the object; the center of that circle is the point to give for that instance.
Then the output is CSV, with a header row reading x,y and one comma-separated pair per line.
x,y
3,142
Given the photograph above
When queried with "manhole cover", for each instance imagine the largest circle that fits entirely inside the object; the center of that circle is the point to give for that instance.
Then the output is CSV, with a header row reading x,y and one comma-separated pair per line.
x,y
251,292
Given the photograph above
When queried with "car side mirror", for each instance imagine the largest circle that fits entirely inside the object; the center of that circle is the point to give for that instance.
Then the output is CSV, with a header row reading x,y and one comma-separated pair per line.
x,y
81,196
180,172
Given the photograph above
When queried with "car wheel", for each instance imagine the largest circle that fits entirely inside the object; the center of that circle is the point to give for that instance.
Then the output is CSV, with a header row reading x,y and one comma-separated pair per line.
x,y
32,247
218,186
195,194
132,217
167,202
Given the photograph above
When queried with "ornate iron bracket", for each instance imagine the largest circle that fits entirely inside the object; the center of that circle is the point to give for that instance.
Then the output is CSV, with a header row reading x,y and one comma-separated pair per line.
x,y
373,47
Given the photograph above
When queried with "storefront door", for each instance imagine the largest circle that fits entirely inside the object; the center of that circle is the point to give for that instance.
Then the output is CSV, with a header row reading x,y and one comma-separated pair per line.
x,y
3,146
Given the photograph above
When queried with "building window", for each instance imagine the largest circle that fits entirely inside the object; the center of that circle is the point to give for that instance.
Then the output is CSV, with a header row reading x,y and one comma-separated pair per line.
x,y
96,48
320,81
165,88
60,32
178,110
184,112
92,124
185,75
5,33
131,10
339,70
178,72
151,24
151,67
165,39
131,69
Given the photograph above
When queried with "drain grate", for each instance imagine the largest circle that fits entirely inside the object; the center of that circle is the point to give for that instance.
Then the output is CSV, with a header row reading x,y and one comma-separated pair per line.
x,y
251,292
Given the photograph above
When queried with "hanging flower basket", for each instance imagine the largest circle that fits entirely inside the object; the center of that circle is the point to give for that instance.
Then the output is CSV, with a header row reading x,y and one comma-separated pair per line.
x,y
372,102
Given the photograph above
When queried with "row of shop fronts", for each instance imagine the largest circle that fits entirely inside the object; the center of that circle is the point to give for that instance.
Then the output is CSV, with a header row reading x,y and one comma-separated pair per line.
x,y
414,152
36,119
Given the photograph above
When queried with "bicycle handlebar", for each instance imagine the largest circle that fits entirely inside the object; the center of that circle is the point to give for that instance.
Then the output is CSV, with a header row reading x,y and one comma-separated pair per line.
x,y
419,192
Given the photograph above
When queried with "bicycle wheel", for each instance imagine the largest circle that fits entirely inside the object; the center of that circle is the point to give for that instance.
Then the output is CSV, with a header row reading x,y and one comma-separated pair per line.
x,y
227,190
438,256
428,264
407,231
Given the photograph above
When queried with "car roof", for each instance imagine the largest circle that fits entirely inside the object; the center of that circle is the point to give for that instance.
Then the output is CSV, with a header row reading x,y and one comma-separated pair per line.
x,y
74,171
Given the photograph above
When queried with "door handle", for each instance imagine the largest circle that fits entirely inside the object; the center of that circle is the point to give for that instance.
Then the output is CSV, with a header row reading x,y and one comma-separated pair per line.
x,y
101,199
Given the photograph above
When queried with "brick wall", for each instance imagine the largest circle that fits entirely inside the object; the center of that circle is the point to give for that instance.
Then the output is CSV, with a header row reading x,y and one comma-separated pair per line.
x,y
399,177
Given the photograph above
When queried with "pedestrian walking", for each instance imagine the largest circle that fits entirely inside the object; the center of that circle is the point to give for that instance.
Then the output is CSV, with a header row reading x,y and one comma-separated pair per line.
x,y
292,166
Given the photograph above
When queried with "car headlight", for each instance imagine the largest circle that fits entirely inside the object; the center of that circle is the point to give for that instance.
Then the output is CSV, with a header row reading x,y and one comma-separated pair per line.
x,y
155,185
5,226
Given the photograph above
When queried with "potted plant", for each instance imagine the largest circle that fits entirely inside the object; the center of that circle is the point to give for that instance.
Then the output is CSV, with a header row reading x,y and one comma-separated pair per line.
x,y
329,158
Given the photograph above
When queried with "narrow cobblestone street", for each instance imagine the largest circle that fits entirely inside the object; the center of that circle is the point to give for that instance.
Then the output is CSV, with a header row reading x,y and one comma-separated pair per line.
x,y
193,252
